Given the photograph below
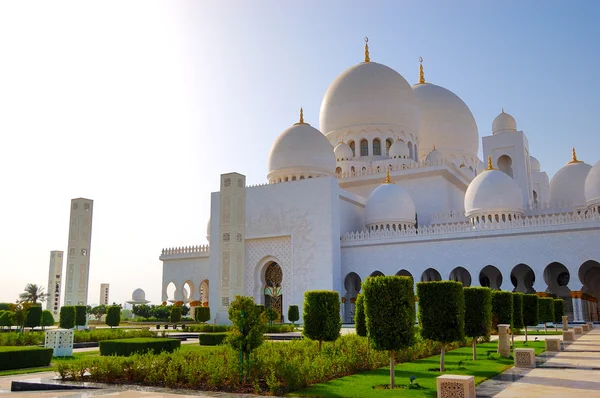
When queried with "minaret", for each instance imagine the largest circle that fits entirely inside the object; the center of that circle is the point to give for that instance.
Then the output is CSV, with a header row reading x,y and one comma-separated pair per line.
x,y
78,254
54,283
103,294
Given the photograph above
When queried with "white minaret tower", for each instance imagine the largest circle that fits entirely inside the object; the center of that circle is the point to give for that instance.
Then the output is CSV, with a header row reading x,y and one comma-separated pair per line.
x,y
103,294
78,254
54,283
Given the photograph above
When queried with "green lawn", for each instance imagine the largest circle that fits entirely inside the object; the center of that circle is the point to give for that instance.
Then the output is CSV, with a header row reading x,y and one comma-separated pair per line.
x,y
361,385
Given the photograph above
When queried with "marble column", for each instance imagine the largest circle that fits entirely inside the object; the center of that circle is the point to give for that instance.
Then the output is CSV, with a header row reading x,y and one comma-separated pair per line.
x,y
503,341
565,322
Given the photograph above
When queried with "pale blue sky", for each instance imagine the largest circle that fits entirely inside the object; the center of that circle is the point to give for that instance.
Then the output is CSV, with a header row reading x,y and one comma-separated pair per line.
x,y
141,105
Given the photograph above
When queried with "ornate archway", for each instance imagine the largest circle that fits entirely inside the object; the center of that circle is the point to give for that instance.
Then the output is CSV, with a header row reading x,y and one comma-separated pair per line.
x,y
431,275
273,291
491,277
460,274
352,285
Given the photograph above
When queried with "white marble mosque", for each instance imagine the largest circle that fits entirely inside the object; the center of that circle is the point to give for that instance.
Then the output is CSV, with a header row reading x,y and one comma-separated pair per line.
x,y
392,184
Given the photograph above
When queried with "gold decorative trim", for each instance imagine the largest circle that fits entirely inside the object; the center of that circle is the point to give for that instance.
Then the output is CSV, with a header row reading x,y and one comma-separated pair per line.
x,y
574,159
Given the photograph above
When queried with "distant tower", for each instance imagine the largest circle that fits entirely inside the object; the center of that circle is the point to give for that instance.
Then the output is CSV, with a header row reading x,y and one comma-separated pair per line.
x,y
104,294
54,283
78,255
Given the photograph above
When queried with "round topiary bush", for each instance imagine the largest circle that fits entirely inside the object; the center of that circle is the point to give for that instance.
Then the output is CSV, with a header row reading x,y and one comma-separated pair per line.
x,y
322,315
502,308
175,315
202,314
478,313
293,314
80,315
559,311
34,316
530,311
67,317
113,315
360,323
546,310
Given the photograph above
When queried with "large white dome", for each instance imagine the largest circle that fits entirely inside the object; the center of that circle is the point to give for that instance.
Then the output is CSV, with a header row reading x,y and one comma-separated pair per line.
x,y
446,121
504,123
389,204
567,186
369,94
301,151
592,186
493,192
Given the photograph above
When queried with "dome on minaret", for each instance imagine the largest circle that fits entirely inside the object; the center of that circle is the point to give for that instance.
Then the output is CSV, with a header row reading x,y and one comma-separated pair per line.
x,y
138,297
369,94
301,152
504,123
567,186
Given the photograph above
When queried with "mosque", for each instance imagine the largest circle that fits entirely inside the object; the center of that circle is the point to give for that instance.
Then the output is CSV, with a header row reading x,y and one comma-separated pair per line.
x,y
392,184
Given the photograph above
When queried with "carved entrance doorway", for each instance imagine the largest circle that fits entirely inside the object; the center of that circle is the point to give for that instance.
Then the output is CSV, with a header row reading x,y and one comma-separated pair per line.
x,y
273,290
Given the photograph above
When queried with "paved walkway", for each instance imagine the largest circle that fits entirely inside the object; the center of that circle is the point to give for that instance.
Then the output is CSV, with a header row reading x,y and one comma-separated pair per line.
x,y
573,372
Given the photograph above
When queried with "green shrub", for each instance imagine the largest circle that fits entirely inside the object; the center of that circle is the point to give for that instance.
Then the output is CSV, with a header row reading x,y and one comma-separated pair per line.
x,y
67,317
280,329
4,306
175,314
261,308
559,310
212,338
502,308
360,323
518,311
208,328
441,312
34,316
21,339
271,314
47,319
546,310
113,315
478,313
161,312
127,347
389,309
322,315
531,315
6,318
293,314
24,357
80,315
88,336
202,314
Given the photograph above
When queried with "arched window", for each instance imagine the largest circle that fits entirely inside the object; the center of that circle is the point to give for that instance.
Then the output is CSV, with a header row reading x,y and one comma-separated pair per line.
x,y
352,169
505,165
364,147
376,147
273,290
535,198
338,170
410,151
416,154
353,147
388,145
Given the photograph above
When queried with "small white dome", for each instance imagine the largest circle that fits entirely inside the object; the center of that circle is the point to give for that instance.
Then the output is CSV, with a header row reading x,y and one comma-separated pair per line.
x,y
369,93
343,152
446,121
567,186
434,157
208,230
504,123
592,186
535,164
301,150
138,295
399,149
389,204
493,192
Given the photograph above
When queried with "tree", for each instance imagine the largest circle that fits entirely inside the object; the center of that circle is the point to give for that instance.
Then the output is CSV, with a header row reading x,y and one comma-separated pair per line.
x,y
441,312
175,314
478,314
113,315
360,323
559,311
6,318
202,314
47,319
293,314
247,328
160,312
80,315
5,306
502,308
34,316
546,311
517,314
33,294
389,308
322,315
99,311
67,317
185,310
271,314
142,310
20,311
530,311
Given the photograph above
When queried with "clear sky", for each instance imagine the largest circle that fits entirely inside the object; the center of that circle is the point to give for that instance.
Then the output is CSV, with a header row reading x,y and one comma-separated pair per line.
x,y
140,106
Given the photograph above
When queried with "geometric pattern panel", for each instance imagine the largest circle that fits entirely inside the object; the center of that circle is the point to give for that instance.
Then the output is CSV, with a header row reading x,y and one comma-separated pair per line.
x,y
524,357
61,340
552,344
455,386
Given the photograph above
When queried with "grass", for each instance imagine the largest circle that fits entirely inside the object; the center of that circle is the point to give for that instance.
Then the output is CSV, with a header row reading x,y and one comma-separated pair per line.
x,y
458,361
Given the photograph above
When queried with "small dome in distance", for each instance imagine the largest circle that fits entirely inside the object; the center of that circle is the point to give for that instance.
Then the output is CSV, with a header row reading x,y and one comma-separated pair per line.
x,y
592,187
138,295
389,205
535,164
399,149
567,186
434,157
343,152
504,123
493,192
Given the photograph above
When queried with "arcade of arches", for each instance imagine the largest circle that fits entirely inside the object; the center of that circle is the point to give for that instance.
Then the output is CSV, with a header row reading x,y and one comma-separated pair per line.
x,y
579,292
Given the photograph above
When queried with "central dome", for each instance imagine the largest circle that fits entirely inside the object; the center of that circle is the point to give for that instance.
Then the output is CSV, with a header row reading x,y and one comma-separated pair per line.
x,y
369,94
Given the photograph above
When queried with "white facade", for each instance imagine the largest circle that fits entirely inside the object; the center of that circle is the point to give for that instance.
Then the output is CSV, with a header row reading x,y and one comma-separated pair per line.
x,y
78,252
324,220
54,283
104,294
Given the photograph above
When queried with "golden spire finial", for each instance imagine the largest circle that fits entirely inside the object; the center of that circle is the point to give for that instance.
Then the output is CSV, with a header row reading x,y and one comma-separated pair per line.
x,y
490,166
367,59
421,73
388,180
301,115
574,160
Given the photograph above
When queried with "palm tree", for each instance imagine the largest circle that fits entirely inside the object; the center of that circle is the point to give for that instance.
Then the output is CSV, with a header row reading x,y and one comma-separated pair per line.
x,y
33,293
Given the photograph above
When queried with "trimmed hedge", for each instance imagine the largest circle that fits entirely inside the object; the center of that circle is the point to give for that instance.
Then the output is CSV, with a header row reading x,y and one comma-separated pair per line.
x,y
127,347
441,310
67,317
360,323
175,314
546,309
80,315
531,316
4,306
518,311
204,328
211,338
34,316
24,357
478,311
202,314
293,314
322,315
502,308
47,318
113,315
559,310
